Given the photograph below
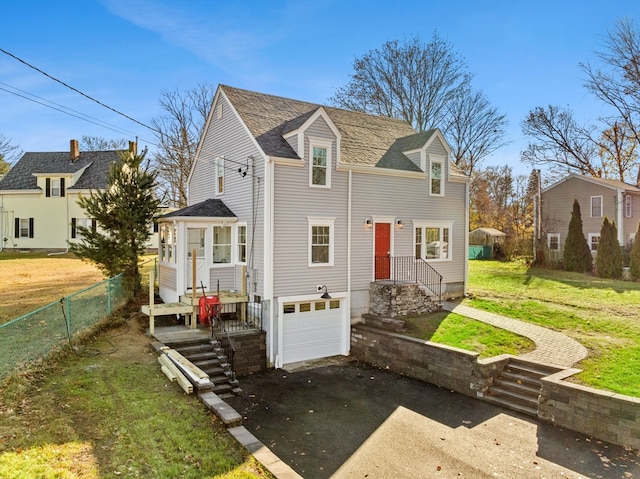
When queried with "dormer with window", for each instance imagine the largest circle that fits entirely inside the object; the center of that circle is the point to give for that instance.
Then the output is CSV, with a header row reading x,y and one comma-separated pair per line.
x,y
54,187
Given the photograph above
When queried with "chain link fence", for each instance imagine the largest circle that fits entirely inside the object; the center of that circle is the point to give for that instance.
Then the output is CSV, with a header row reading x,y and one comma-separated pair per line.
x,y
37,334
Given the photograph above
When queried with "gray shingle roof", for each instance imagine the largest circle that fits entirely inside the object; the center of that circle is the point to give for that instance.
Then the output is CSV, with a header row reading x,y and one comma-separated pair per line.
x,y
366,139
211,208
21,176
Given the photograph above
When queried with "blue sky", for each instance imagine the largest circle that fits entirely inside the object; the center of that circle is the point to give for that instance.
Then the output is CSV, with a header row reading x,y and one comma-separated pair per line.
x,y
125,53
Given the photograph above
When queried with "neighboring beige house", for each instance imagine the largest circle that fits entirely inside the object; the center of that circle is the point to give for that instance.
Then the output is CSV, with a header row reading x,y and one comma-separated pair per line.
x,y
39,198
598,198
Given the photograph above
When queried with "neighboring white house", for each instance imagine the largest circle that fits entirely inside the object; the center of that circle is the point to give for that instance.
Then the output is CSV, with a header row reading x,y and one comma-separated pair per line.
x,y
39,197
289,200
598,198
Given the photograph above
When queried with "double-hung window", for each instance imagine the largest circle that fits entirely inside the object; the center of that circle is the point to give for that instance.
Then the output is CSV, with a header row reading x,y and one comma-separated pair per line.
x,y
242,244
436,187
167,243
219,175
596,206
54,187
433,240
628,206
24,227
594,240
222,244
553,241
321,241
320,163
76,223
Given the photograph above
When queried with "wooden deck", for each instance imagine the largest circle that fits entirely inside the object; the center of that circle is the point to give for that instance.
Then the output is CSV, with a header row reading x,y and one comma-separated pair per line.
x,y
180,334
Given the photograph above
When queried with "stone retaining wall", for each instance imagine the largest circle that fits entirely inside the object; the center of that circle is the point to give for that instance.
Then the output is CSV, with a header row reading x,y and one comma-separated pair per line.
x,y
606,416
397,300
251,352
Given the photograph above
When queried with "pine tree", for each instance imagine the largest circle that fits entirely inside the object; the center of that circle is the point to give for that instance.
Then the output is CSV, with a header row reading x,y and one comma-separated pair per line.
x,y
124,213
609,255
577,255
634,264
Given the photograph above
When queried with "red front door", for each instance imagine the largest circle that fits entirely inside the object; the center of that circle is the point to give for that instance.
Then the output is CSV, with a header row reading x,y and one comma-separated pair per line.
x,y
382,251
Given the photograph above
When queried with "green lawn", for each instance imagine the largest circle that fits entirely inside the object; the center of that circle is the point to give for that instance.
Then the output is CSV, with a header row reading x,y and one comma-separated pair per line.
x,y
603,315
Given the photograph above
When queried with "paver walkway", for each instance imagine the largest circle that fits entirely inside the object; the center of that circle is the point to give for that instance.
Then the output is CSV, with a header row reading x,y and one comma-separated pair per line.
x,y
552,347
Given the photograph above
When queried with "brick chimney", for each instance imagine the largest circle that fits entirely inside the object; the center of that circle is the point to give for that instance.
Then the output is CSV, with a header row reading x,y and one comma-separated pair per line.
x,y
133,147
74,150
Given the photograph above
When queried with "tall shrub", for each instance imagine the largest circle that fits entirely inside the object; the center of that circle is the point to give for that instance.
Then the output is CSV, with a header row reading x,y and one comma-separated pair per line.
x,y
609,255
577,255
634,264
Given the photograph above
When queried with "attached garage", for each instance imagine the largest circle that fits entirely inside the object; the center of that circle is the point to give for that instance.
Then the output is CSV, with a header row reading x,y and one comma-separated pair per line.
x,y
313,329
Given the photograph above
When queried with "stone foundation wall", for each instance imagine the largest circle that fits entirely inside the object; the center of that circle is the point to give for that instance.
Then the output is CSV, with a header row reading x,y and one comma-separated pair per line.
x,y
389,300
251,352
605,415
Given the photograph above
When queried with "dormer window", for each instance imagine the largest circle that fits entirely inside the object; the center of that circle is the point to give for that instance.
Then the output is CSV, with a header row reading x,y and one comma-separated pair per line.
x,y
320,163
436,187
54,187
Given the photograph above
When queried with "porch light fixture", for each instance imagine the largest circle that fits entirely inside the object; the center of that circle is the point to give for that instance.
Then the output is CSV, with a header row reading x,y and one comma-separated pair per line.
x,y
399,224
325,295
368,223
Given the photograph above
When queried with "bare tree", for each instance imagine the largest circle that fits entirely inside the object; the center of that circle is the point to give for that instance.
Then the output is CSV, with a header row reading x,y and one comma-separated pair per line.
x,y
178,133
475,129
560,142
619,152
97,143
425,84
619,84
9,154
609,149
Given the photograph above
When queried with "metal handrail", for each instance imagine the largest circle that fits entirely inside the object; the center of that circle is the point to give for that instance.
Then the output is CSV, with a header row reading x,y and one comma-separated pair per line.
x,y
409,269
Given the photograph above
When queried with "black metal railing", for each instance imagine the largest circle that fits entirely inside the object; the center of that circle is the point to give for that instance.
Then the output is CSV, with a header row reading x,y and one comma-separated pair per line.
x,y
229,351
408,269
234,317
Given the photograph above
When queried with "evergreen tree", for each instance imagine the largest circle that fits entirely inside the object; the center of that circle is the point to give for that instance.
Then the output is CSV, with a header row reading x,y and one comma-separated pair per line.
x,y
577,255
634,264
124,213
609,255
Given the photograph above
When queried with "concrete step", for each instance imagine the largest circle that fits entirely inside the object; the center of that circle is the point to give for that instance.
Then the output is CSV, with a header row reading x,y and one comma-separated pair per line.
x,y
528,367
517,386
521,408
193,349
522,379
514,396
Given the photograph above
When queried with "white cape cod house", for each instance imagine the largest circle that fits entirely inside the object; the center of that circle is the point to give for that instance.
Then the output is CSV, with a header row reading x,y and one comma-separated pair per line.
x,y
301,207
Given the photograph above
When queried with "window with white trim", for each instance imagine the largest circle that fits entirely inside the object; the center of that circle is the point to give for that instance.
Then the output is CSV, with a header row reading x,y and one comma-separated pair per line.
x,y
222,244
594,239
168,243
321,241
553,241
54,187
628,206
436,188
219,175
433,241
320,163
242,244
596,206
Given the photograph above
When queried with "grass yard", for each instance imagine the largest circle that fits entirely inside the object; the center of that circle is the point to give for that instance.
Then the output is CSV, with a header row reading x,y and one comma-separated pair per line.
x,y
603,315
109,411
29,281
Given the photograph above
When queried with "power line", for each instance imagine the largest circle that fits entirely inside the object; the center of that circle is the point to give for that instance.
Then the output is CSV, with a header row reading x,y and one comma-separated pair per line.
x,y
76,90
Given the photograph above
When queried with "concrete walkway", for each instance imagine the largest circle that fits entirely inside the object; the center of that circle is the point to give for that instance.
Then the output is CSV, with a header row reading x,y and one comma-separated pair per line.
x,y
552,348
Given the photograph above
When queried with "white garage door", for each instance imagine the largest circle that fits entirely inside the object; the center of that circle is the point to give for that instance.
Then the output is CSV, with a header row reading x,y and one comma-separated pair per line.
x,y
312,329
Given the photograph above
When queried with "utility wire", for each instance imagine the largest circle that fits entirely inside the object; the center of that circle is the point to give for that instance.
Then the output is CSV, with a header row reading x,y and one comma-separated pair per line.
x,y
76,90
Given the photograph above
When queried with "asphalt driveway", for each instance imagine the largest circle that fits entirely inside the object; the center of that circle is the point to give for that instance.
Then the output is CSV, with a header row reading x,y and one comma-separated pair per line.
x,y
352,420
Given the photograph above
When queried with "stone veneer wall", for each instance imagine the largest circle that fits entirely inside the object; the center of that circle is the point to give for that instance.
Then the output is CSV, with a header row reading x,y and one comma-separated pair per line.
x,y
251,352
606,416
389,300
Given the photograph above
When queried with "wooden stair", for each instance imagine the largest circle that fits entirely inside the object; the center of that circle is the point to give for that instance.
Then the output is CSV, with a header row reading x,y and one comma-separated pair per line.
x,y
518,386
208,355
